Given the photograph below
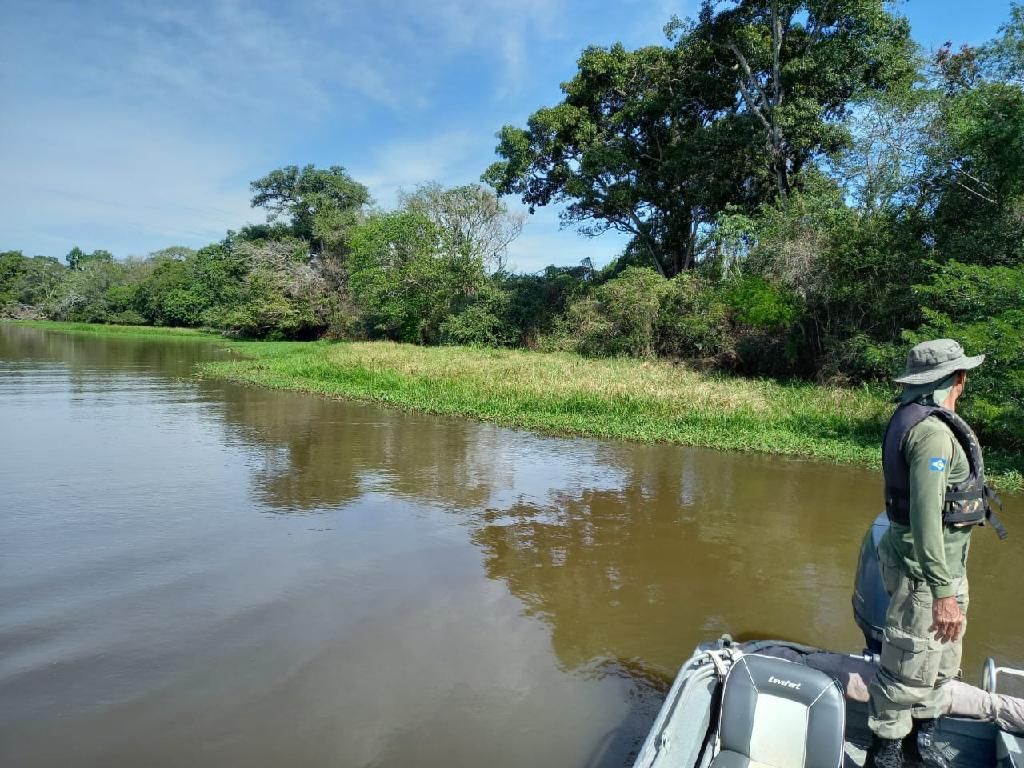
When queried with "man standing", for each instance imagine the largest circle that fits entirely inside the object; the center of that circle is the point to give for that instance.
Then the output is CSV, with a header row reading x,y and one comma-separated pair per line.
x,y
935,494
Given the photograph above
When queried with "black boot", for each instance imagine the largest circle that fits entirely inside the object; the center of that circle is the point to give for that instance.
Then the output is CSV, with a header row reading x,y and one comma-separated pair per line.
x,y
884,753
932,755
911,752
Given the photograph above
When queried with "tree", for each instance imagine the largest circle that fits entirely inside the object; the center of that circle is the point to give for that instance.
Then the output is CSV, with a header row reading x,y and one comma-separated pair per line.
x,y
1003,57
406,284
321,204
12,271
798,65
472,220
977,175
84,293
77,258
983,308
633,147
281,295
657,142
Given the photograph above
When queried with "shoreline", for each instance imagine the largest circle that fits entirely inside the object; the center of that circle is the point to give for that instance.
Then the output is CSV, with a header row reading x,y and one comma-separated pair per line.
x,y
563,394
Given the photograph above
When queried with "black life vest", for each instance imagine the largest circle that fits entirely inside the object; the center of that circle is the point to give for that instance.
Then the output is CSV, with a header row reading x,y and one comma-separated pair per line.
x,y
966,503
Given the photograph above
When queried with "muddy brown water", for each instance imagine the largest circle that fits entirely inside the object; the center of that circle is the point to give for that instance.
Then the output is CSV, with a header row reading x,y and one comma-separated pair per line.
x,y
200,574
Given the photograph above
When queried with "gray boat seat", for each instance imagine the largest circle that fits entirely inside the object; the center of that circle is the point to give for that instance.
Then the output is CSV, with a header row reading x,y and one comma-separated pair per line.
x,y
780,714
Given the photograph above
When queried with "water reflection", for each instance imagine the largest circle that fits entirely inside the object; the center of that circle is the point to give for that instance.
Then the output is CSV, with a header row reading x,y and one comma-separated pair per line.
x,y
632,554
627,552
318,455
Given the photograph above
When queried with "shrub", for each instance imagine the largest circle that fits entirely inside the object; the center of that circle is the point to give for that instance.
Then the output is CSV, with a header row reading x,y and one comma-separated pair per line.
x,y
482,322
693,320
620,317
981,308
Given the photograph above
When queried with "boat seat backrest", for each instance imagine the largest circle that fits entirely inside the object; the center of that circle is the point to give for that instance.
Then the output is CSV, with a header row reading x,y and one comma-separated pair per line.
x,y
780,714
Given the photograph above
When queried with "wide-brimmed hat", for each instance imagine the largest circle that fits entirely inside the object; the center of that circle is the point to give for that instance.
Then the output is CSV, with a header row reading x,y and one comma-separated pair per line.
x,y
935,360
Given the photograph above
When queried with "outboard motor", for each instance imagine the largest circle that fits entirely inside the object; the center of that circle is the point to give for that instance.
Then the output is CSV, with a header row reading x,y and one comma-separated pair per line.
x,y
870,600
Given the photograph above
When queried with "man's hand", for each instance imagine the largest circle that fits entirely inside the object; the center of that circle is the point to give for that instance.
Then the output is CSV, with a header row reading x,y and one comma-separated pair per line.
x,y
947,619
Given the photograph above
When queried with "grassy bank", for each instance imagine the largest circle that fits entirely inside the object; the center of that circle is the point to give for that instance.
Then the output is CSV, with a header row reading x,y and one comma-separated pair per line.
x,y
95,329
647,401
566,394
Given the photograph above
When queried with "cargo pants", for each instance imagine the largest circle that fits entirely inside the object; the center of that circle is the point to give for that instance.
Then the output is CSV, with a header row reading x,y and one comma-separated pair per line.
x,y
914,664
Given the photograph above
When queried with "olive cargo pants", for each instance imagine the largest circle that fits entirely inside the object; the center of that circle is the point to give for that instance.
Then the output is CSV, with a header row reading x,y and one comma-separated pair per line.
x,y
914,664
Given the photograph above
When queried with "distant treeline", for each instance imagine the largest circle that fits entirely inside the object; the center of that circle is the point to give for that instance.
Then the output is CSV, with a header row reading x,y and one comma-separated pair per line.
x,y
807,193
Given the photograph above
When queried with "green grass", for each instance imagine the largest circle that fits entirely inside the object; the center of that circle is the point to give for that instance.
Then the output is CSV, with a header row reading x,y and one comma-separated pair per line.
x,y
646,401
649,401
95,329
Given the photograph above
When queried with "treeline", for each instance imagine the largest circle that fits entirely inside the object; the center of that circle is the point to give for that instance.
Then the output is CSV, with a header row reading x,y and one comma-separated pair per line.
x,y
806,193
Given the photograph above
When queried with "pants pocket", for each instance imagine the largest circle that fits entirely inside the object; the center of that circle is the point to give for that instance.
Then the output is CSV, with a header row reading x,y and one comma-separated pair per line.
x,y
891,572
911,660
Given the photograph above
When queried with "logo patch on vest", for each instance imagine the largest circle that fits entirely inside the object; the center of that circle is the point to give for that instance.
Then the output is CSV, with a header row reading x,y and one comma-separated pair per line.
x,y
937,464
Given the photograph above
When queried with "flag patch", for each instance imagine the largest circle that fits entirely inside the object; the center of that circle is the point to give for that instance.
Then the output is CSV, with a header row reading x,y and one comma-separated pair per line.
x,y
937,464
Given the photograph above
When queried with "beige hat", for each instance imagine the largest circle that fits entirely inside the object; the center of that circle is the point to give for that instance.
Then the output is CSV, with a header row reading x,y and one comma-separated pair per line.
x,y
935,360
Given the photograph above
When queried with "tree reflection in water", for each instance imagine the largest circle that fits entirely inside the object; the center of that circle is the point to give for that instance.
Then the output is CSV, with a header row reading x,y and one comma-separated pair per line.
x,y
630,553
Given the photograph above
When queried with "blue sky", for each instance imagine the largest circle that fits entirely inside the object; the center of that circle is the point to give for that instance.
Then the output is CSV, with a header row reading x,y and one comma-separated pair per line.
x,y
132,125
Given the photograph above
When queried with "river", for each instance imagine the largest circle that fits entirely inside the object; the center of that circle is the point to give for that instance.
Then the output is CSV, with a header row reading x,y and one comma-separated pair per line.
x,y
200,574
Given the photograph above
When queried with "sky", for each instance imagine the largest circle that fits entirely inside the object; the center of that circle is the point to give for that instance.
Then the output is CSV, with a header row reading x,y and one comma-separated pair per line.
x,y
132,125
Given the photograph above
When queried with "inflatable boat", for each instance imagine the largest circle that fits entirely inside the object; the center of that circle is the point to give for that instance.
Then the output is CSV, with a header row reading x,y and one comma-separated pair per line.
x,y
774,704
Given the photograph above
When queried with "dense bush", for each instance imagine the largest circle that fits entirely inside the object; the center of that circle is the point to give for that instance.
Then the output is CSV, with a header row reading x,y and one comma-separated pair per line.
x,y
693,320
619,317
406,280
27,282
983,308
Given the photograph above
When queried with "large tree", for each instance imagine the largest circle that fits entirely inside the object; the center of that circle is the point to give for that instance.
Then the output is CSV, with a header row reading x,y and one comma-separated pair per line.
x,y
627,149
798,66
320,204
472,220
658,141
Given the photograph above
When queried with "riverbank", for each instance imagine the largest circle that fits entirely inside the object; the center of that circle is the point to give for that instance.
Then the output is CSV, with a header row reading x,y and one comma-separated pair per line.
x,y
648,401
96,329
645,401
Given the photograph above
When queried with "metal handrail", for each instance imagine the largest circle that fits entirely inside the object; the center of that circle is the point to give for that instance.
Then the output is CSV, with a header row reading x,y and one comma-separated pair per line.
x,y
990,674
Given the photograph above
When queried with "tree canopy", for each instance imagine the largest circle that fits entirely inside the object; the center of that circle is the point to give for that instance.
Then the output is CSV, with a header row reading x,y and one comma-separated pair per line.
x,y
319,204
657,142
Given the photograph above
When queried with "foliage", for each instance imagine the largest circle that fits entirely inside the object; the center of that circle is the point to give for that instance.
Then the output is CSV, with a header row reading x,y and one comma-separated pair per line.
x,y
320,204
619,317
27,282
693,320
77,258
978,176
90,293
659,141
983,308
796,67
281,295
537,302
404,280
471,219
482,322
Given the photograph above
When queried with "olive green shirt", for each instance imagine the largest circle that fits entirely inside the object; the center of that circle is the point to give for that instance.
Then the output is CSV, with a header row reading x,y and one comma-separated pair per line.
x,y
930,551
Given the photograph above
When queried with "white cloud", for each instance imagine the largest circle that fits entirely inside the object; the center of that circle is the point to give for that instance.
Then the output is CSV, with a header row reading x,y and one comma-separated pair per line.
x,y
450,157
133,125
116,182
